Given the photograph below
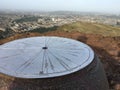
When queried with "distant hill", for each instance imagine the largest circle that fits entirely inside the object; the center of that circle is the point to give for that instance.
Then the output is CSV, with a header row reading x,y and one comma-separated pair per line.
x,y
94,28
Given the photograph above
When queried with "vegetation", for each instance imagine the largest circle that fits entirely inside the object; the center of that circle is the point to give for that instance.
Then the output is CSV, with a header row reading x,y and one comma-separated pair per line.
x,y
94,28
26,19
43,29
8,32
84,27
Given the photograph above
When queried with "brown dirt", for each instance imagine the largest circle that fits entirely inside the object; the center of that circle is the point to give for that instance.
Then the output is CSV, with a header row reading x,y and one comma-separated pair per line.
x,y
107,48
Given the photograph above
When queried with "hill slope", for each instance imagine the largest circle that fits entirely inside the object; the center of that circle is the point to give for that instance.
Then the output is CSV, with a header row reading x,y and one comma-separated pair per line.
x,y
106,47
94,28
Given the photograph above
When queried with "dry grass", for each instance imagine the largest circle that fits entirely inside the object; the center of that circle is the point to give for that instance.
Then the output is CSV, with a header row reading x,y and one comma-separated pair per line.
x,y
94,28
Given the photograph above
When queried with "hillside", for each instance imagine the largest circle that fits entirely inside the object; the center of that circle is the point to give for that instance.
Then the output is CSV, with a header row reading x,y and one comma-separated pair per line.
x,y
94,28
104,40
82,27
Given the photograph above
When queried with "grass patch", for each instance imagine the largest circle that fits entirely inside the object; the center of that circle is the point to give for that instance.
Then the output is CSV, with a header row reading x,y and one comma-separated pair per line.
x,y
94,28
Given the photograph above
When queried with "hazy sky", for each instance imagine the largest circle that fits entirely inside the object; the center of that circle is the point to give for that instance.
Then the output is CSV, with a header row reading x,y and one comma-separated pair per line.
x,y
112,6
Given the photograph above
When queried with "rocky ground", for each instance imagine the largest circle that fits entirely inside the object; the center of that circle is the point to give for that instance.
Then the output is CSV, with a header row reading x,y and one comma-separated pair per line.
x,y
107,48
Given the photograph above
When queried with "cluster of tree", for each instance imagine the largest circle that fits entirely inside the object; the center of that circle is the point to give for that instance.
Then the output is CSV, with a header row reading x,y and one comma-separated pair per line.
x,y
43,29
8,32
27,19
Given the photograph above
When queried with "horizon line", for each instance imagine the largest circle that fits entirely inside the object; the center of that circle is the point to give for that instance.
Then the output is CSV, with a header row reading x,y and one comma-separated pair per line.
x,y
38,11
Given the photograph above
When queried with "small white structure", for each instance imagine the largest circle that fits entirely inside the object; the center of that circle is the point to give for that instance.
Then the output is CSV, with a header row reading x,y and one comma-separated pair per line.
x,y
44,57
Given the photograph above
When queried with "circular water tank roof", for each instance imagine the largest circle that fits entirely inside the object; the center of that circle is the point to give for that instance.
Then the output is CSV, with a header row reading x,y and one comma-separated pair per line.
x,y
44,57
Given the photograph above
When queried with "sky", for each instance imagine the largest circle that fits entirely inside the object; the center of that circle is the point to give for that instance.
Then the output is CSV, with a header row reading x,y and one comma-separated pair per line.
x,y
110,6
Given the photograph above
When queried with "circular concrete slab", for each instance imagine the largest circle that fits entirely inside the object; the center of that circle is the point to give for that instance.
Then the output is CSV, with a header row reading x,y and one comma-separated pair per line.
x,y
44,57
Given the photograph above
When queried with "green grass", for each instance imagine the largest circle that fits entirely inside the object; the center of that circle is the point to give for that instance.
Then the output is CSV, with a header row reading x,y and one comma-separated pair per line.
x,y
94,28
26,19
43,29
